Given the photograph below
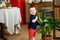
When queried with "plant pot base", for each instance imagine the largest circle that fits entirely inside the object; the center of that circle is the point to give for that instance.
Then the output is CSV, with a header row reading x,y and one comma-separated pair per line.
x,y
46,38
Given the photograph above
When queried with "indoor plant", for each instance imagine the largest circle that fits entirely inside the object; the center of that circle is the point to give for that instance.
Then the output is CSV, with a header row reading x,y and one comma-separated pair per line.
x,y
46,26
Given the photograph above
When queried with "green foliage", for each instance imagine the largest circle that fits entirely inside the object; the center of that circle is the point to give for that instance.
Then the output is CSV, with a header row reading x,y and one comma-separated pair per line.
x,y
47,25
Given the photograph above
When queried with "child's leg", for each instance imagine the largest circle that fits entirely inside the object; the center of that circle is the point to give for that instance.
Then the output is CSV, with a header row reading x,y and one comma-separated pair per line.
x,y
31,34
33,38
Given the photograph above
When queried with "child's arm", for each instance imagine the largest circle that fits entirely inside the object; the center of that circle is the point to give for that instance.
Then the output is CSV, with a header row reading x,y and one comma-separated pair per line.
x,y
34,20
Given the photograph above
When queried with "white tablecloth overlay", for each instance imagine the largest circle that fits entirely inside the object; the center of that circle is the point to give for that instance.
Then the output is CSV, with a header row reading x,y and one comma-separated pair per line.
x,y
11,17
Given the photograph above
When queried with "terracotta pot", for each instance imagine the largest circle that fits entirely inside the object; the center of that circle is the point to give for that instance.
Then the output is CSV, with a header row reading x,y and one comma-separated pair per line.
x,y
47,38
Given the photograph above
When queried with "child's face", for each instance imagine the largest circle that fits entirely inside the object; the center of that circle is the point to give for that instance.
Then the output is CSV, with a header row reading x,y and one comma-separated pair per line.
x,y
33,11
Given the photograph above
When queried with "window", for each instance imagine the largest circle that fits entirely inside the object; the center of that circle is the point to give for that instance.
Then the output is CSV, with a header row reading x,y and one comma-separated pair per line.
x,y
47,11
57,2
47,0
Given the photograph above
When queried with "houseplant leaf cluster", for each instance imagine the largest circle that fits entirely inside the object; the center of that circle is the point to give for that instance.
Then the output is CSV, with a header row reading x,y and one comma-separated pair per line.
x,y
47,25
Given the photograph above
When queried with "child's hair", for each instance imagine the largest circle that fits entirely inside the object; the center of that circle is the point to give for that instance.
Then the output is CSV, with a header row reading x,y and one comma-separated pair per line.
x,y
32,5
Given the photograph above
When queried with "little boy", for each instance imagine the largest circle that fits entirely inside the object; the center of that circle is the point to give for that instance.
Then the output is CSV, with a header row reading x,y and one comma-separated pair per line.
x,y
32,24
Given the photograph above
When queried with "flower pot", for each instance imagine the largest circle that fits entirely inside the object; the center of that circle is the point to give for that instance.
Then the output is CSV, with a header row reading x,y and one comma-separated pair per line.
x,y
47,38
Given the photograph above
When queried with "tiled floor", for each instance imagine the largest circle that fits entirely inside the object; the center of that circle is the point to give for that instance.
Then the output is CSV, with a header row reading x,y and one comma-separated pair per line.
x,y
23,35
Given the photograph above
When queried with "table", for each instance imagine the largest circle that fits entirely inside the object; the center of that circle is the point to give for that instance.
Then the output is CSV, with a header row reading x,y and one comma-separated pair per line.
x,y
11,17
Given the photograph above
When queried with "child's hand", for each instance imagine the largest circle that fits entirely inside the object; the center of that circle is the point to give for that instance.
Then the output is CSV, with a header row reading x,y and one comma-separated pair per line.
x,y
36,17
34,20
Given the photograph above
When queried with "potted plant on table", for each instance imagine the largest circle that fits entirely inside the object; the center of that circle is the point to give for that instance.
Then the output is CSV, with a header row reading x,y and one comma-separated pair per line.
x,y
47,25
